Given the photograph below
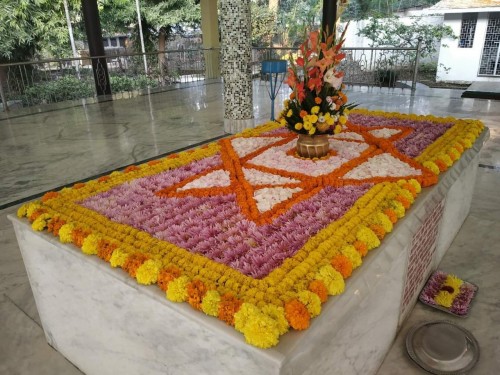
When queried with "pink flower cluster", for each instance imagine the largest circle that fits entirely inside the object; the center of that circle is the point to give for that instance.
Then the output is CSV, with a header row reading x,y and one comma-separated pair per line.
x,y
214,226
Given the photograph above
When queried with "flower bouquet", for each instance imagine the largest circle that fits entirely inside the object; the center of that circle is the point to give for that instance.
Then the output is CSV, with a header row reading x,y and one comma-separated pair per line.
x,y
317,104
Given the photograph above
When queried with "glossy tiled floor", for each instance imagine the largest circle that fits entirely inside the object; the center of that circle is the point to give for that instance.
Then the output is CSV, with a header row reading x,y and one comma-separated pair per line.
x,y
40,151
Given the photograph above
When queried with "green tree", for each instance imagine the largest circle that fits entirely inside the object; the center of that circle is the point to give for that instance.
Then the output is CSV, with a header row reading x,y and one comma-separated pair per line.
x,y
263,24
28,27
391,32
296,18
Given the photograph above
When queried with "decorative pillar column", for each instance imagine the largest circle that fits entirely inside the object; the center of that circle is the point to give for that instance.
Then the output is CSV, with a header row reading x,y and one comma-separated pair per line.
x,y
329,16
210,35
236,65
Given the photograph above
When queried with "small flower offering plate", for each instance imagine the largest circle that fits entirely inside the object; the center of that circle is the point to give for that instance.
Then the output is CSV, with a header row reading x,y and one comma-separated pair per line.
x,y
448,293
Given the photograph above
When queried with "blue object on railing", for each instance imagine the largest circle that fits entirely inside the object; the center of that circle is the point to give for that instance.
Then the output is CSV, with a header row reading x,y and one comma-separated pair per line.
x,y
276,70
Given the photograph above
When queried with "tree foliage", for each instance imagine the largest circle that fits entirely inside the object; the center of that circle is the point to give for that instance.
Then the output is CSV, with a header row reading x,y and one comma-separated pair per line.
x,y
363,9
394,33
28,27
263,24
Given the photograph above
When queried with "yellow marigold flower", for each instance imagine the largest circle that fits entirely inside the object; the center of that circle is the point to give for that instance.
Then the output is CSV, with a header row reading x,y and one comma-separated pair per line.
x,y
289,113
352,254
89,245
32,207
40,222
398,209
311,301
329,120
22,211
332,279
367,236
177,291
383,220
432,166
210,303
307,125
246,312
118,258
313,119
65,233
312,131
315,111
298,126
446,159
115,173
261,331
278,314
337,129
148,272
343,119
405,193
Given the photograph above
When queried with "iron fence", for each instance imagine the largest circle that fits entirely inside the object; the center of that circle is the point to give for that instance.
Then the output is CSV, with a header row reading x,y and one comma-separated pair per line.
x,y
51,81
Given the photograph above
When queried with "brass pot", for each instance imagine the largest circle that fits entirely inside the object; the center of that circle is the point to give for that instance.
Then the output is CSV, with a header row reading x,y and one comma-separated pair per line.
x,y
312,146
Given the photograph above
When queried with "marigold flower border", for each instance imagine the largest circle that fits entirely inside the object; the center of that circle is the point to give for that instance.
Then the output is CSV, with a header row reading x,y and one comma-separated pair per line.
x,y
290,295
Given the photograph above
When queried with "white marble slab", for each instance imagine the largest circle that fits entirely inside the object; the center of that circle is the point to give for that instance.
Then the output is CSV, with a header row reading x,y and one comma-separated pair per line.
x,y
105,323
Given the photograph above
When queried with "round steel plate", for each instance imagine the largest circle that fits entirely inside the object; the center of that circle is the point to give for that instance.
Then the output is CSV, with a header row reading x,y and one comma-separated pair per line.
x,y
442,348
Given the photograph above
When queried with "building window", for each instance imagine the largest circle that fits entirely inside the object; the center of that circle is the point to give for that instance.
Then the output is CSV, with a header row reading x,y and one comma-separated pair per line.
x,y
467,30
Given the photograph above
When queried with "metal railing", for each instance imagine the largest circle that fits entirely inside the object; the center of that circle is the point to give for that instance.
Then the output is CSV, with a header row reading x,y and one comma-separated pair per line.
x,y
51,81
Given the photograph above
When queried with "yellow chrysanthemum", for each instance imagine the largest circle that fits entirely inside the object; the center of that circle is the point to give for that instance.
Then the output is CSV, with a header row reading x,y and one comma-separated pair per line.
x,y
118,258
89,245
261,331
343,119
311,301
315,111
210,303
278,314
307,125
312,131
353,255
337,129
246,312
177,291
289,113
40,222
332,279
65,233
367,236
298,126
346,111
444,298
147,273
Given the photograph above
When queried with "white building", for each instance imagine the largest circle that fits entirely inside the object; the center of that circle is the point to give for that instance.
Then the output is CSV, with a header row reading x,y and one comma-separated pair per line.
x,y
474,56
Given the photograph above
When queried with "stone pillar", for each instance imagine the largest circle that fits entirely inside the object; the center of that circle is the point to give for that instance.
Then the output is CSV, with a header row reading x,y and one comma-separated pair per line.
x,y
210,34
236,65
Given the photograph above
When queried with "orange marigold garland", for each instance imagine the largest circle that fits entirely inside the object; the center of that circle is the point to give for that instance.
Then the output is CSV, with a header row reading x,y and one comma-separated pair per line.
x,y
105,249
196,290
167,275
343,265
361,247
228,306
133,262
78,235
318,287
297,315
